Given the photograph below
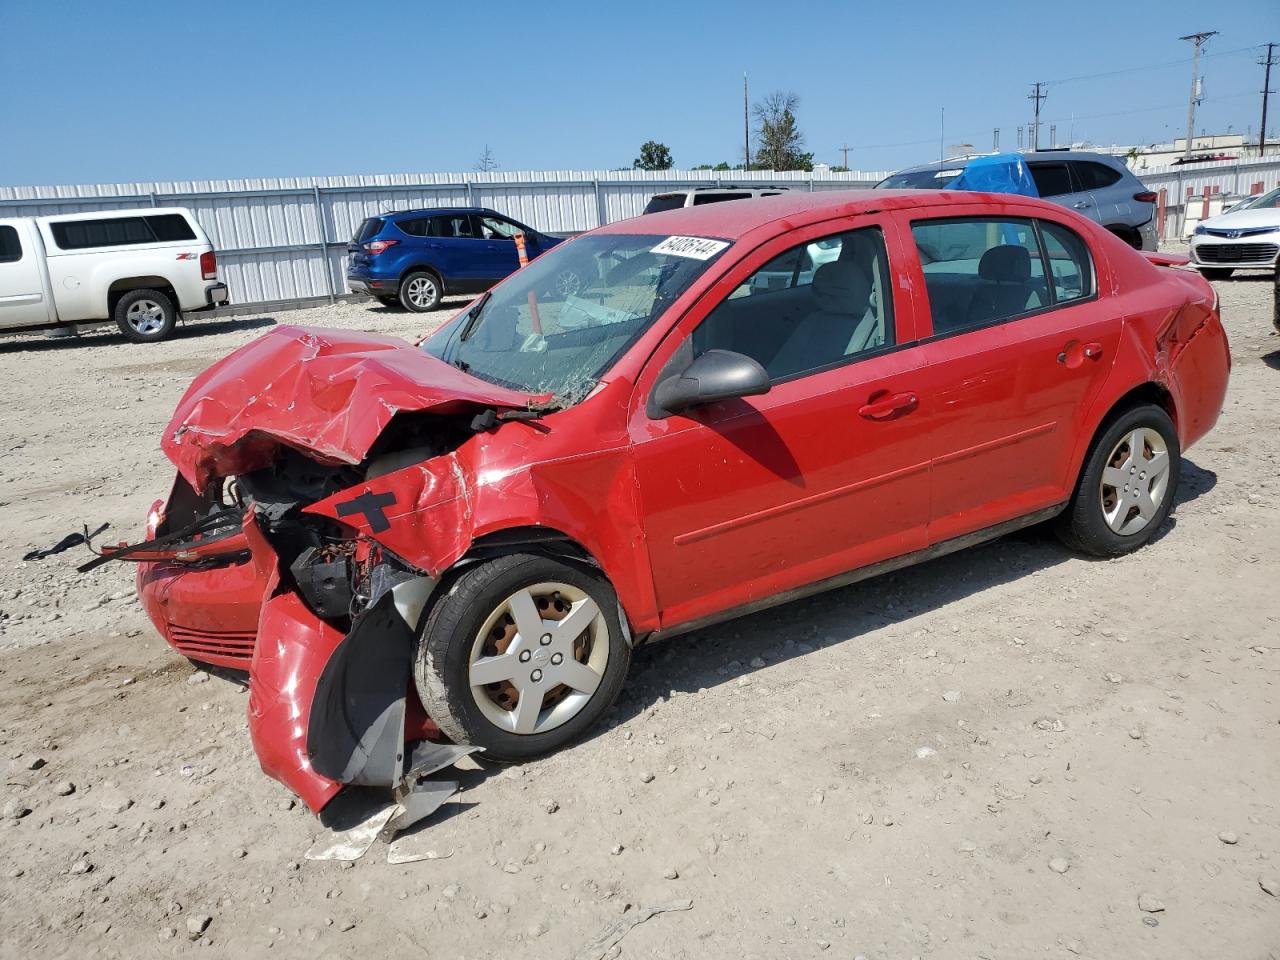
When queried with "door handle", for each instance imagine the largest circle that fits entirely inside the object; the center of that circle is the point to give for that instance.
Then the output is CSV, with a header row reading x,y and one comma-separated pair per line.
x,y
1078,351
1081,204
886,406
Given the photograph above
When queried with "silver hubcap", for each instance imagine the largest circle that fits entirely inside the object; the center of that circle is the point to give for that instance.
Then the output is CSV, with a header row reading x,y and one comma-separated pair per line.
x,y
421,292
539,658
1135,481
145,316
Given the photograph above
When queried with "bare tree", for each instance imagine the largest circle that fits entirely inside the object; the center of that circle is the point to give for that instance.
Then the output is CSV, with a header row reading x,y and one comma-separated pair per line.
x,y
486,163
778,135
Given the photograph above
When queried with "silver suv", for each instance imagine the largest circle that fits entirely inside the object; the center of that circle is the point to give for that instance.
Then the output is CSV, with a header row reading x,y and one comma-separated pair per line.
x,y
1099,186
697,196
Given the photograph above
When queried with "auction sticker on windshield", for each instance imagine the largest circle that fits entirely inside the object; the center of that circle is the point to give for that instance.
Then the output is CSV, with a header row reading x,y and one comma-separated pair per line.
x,y
696,248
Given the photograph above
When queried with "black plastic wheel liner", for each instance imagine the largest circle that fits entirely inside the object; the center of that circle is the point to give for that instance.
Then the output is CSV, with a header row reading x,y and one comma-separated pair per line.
x,y
355,733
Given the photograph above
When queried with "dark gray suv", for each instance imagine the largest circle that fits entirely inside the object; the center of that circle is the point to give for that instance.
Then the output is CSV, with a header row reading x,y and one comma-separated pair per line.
x,y
1099,186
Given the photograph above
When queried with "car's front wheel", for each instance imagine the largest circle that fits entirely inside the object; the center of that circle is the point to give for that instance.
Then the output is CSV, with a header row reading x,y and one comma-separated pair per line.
x,y
1216,273
420,291
521,655
1127,487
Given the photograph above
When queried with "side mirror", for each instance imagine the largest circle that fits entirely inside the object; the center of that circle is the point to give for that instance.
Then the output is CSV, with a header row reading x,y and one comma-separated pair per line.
x,y
716,375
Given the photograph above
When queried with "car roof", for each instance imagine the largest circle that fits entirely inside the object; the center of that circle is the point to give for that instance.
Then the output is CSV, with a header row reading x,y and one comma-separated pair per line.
x,y
731,221
418,212
1037,156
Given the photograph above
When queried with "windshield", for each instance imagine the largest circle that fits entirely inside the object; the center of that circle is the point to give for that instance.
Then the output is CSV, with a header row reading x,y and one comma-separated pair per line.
x,y
919,179
1268,201
557,325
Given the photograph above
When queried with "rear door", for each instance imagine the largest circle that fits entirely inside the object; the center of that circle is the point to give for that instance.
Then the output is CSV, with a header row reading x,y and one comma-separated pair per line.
x,y
22,290
1019,342
1055,181
498,245
1111,205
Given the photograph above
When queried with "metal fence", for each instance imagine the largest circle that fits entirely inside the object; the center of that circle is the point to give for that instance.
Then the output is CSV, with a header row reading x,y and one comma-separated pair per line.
x,y
285,239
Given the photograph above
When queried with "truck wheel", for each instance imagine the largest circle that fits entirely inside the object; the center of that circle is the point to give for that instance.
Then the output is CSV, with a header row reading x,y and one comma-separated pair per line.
x,y
521,655
146,316
420,291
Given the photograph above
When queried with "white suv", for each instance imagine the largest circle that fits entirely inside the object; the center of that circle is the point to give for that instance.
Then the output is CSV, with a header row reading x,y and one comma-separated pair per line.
x,y
696,196
137,268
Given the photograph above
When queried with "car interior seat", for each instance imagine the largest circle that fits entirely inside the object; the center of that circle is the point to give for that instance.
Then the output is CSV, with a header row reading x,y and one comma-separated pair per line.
x,y
1006,288
841,295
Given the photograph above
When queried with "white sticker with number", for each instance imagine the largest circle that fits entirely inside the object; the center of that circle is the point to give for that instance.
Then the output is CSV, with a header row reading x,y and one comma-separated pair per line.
x,y
696,248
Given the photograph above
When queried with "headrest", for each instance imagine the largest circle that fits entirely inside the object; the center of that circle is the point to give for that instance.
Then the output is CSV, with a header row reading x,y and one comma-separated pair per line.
x,y
1008,263
841,287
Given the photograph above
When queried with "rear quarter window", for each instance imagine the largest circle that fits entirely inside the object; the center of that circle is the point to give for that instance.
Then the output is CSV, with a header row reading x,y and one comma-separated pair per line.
x,y
368,229
1095,176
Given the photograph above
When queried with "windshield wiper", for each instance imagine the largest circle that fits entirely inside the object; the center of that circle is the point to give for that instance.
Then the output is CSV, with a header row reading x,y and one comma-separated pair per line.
x,y
491,418
473,316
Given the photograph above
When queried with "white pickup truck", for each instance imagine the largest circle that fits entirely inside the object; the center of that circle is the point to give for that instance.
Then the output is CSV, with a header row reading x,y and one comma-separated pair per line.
x,y
136,268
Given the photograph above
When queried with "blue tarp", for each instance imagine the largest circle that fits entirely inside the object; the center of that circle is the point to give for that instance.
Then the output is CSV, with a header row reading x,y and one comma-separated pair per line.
x,y
999,173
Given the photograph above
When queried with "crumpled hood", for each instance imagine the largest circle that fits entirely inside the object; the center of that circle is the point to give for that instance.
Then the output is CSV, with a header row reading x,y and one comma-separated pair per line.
x,y
328,393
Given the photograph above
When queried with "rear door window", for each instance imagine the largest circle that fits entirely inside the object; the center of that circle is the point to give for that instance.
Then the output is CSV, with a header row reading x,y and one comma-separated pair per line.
x,y
1052,179
1094,176
10,245
980,271
452,226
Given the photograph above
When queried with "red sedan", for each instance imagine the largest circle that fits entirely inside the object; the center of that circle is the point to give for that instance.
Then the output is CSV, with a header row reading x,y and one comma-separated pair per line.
x,y
666,422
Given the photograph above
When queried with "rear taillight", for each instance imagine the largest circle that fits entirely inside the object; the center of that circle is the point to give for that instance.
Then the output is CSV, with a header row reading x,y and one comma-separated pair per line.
x,y
1145,197
377,246
209,265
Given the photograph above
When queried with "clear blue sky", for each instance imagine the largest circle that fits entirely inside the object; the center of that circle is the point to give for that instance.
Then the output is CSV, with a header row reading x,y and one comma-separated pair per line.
x,y
130,90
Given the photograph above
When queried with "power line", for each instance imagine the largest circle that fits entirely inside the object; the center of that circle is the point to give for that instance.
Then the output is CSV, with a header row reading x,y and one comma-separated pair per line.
x,y
1150,66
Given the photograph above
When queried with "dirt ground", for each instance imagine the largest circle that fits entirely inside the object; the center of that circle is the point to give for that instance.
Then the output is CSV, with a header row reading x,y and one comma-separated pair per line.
x,y
993,755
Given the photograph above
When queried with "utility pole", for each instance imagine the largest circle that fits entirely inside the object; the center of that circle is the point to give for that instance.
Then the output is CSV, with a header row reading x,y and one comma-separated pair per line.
x,y
1199,40
1268,63
1039,98
746,127
845,150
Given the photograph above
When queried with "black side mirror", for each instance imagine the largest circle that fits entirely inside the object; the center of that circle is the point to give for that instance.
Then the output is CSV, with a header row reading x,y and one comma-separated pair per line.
x,y
716,375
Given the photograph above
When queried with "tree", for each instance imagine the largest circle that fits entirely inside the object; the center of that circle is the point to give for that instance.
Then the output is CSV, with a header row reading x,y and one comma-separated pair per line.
x,y
653,156
703,166
722,166
778,135
839,169
486,163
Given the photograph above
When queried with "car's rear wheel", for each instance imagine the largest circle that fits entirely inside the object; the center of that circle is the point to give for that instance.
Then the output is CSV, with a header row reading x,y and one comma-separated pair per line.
x,y
1216,273
1127,487
521,655
145,316
420,291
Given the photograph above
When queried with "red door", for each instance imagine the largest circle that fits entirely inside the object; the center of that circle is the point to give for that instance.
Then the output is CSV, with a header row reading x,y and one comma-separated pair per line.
x,y
1007,380
828,471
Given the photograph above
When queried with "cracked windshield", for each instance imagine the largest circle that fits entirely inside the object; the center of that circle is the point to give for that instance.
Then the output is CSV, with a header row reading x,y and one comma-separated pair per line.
x,y
557,325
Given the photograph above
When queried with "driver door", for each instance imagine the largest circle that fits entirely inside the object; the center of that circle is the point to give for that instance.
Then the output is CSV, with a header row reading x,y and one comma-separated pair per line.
x,y
496,246
750,498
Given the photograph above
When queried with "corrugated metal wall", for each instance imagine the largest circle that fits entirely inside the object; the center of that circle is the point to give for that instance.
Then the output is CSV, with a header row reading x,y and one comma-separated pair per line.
x,y
285,238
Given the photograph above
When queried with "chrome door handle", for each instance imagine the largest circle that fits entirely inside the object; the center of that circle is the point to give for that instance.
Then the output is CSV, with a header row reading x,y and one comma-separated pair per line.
x,y
1081,204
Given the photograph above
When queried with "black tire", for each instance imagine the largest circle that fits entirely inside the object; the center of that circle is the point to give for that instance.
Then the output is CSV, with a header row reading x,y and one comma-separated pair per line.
x,y
388,301
420,291
1083,525
452,629
1216,273
146,316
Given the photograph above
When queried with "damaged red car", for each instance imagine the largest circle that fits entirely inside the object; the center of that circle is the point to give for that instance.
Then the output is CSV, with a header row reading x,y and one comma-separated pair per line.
x,y
660,424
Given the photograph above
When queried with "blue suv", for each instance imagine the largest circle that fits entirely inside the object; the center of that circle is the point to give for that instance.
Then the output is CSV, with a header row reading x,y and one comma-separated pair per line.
x,y
416,257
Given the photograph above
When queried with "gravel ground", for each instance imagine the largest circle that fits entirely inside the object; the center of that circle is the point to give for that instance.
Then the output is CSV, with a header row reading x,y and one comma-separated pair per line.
x,y
1006,753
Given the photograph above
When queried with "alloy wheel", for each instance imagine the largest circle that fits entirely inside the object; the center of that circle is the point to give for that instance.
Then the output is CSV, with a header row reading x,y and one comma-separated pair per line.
x,y
145,317
421,292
